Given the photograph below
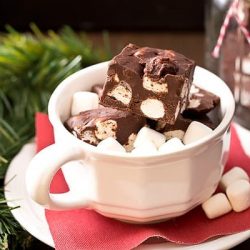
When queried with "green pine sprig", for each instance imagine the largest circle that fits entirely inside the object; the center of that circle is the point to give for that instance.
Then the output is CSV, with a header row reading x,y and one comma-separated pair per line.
x,y
31,66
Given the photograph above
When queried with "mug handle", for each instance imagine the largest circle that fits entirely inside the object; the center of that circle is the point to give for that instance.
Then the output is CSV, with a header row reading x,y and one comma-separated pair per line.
x,y
41,171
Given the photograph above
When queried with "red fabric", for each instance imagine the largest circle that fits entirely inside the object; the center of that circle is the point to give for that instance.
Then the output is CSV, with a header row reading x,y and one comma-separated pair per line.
x,y
45,137
85,229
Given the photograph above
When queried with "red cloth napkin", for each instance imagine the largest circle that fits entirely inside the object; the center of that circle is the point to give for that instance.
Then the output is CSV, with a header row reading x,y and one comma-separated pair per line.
x,y
85,229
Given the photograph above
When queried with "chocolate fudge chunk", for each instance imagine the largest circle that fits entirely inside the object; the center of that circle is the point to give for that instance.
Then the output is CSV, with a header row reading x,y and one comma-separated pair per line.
x,y
95,125
97,88
179,128
175,130
150,82
201,101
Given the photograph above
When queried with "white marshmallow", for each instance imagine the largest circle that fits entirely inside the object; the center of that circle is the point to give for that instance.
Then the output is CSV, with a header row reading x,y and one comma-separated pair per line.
x,y
238,194
152,108
122,92
147,134
106,129
110,144
89,136
232,175
154,86
217,205
194,103
144,149
82,101
171,145
193,90
196,131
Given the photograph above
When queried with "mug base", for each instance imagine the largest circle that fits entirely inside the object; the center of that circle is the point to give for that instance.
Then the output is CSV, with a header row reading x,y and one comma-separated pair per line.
x,y
143,222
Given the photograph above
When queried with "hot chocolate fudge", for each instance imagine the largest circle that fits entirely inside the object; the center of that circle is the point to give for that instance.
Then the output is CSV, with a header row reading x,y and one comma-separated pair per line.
x,y
201,101
95,125
148,94
150,82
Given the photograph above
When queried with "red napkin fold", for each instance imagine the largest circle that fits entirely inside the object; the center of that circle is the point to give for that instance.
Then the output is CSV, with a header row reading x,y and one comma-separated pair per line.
x,y
86,229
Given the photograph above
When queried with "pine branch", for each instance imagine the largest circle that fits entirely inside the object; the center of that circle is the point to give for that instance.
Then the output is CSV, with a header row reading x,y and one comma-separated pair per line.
x,y
31,66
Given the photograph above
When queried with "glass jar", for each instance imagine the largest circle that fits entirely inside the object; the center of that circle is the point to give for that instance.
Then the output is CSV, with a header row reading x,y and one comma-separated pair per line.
x,y
233,63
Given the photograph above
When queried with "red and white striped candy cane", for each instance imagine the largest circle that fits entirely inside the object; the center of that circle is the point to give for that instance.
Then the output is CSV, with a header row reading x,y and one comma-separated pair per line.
x,y
243,29
232,12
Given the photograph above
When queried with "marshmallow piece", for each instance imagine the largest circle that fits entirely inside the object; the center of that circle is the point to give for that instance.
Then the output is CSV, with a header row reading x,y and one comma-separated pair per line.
x,y
154,86
122,92
82,101
171,145
147,134
111,144
145,148
152,108
217,205
196,131
231,176
238,194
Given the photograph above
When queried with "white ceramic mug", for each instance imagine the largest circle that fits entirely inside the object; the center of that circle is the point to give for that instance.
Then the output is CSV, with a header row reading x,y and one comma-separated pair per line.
x,y
124,186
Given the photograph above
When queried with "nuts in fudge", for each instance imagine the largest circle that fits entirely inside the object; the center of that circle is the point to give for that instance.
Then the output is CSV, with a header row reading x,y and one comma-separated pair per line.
x,y
150,82
201,101
95,125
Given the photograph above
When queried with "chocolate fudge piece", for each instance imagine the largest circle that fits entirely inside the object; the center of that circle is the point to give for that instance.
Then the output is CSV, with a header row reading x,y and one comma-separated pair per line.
x,y
201,101
179,128
176,130
95,125
97,88
150,82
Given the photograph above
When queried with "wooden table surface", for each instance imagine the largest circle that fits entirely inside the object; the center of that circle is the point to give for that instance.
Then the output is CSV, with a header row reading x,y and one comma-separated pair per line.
x,y
190,44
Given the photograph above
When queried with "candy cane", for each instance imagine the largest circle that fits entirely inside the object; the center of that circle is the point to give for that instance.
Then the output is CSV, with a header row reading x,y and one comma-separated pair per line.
x,y
243,29
232,12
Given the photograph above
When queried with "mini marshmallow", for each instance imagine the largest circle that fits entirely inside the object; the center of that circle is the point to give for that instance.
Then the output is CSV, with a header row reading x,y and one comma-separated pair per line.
x,y
111,144
82,101
146,148
232,175
217,205
171,145
238,194
147,134
196,131
152,108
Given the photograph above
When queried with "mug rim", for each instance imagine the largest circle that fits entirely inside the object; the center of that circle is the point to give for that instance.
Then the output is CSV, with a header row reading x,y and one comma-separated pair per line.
x,y
219,130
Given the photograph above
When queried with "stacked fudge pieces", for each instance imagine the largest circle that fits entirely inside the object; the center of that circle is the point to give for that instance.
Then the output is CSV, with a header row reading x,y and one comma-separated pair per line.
x,y
149,82
148,98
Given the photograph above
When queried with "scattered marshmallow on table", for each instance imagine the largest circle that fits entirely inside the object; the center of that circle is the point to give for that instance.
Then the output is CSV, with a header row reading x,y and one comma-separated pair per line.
x,y
236,173
195,131
147,134
84,100
145,148
171,145
110,144
217,205
238,194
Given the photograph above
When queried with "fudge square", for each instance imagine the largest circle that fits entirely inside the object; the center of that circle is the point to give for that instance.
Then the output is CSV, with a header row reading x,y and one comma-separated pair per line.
x,y
150,82
95,125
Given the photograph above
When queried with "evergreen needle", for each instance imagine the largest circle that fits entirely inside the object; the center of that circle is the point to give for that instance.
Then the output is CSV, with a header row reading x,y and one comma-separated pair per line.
x,y
31,66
